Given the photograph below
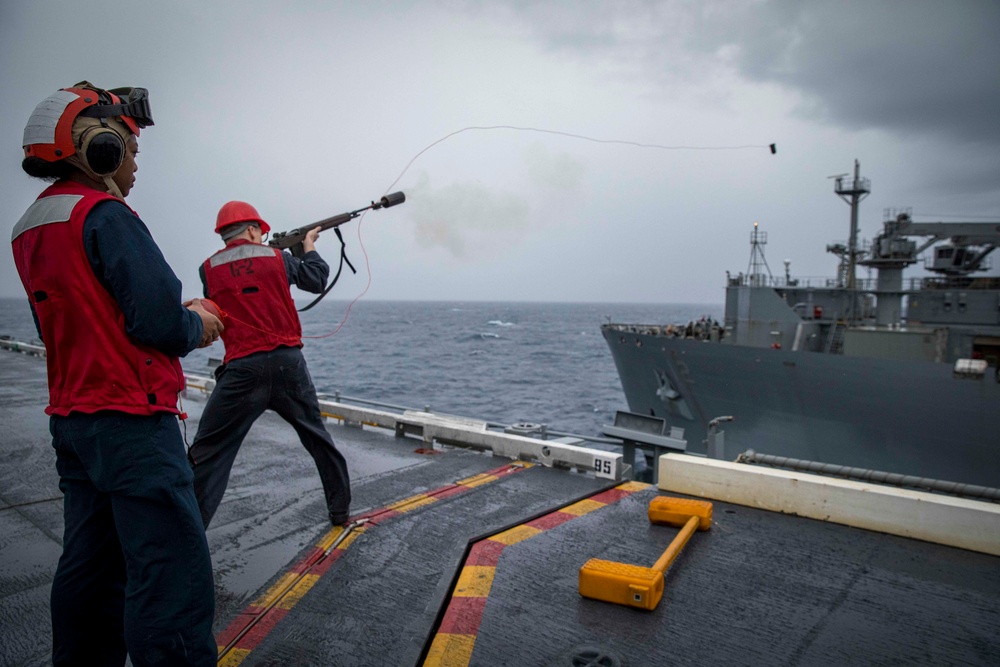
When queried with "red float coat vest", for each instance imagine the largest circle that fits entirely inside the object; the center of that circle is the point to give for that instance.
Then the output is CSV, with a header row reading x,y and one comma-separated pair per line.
x,y
93,364
248,281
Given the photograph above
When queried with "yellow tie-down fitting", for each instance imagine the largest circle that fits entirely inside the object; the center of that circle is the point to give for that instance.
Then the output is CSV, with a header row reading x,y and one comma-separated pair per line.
x,y
638,586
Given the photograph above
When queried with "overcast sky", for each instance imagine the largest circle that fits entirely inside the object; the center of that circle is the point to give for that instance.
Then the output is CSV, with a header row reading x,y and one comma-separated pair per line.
x,y
643,187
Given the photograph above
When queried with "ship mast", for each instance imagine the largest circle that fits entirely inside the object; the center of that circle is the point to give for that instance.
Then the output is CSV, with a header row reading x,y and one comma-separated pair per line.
x,y
852,192
758,240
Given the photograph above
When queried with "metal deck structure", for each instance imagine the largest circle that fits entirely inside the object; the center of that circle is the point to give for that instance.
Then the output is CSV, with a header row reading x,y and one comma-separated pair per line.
x,y
460,556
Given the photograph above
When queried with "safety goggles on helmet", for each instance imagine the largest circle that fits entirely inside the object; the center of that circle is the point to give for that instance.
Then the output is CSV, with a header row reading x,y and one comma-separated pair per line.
x,y
134,106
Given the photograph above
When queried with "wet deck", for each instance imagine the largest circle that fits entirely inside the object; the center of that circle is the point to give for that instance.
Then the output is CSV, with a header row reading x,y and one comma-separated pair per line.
x,y
473,559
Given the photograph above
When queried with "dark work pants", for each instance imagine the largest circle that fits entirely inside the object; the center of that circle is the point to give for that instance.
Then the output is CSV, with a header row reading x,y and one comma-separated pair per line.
x,y
135,573
276,380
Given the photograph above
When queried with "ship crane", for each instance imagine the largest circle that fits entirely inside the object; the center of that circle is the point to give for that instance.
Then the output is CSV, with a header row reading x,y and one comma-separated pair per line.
x,y
968,245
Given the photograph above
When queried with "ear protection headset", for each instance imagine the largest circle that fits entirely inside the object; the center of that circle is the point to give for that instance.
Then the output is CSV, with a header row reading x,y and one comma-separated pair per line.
x,y
101,150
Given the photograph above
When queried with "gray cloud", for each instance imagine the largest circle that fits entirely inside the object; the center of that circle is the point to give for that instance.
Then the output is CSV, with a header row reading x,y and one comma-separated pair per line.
x,y
905,67
923,65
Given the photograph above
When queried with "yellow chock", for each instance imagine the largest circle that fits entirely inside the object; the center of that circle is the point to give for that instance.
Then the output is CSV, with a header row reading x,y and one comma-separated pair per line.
x,y
642,587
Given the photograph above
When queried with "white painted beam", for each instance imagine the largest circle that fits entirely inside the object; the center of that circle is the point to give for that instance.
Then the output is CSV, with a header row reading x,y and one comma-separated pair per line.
x,y
958,522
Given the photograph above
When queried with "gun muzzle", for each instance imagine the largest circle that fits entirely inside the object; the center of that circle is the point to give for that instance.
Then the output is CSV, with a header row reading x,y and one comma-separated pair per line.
x,y
390,200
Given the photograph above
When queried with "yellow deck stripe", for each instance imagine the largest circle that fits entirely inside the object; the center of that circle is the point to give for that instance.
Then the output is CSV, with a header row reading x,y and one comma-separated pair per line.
x,y
298,590
412,503
515,534
449,650
234,657
475,581
477,480
583,507
632,487
276,590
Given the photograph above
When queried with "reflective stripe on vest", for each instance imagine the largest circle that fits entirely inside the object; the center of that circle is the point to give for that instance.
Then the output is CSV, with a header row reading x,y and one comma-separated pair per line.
x,y
236,253
57,208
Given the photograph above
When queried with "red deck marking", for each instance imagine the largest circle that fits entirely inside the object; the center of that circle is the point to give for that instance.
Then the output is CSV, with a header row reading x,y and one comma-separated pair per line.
x,y
551,520
242,620
320,569
463,616
261,628
310,560
485,552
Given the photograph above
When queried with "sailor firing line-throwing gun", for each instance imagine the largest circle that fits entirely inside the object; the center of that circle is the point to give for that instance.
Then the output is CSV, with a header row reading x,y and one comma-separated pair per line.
x,y
248,284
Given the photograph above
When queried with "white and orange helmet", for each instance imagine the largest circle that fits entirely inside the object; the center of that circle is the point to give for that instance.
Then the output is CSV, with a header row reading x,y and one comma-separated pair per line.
x,y
48,134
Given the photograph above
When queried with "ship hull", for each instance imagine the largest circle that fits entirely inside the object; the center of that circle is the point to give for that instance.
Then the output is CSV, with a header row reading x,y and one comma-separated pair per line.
x,y
912,418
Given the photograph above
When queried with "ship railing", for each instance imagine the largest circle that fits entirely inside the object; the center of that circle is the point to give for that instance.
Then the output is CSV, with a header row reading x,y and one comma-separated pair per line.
x,y
955,282
911,284
785,282
707,329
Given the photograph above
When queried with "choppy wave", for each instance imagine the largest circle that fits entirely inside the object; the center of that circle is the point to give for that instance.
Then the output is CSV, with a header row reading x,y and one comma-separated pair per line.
x,y
476,337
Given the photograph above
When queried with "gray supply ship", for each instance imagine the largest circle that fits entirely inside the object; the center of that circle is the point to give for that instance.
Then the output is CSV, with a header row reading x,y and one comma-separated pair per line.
x,y
885,374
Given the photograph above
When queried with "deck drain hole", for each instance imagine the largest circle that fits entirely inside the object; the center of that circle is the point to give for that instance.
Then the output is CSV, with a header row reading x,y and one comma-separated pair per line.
x,y
589,656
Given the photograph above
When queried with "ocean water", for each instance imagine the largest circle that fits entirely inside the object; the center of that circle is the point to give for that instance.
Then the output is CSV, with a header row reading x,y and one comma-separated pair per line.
x,y
543,363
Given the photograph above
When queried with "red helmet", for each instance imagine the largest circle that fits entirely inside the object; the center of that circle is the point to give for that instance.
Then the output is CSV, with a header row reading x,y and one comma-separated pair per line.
x,y
235,212
49,132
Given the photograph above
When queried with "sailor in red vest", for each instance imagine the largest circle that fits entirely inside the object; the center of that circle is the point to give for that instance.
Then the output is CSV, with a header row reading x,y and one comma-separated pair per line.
x,y
264,367
135,577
